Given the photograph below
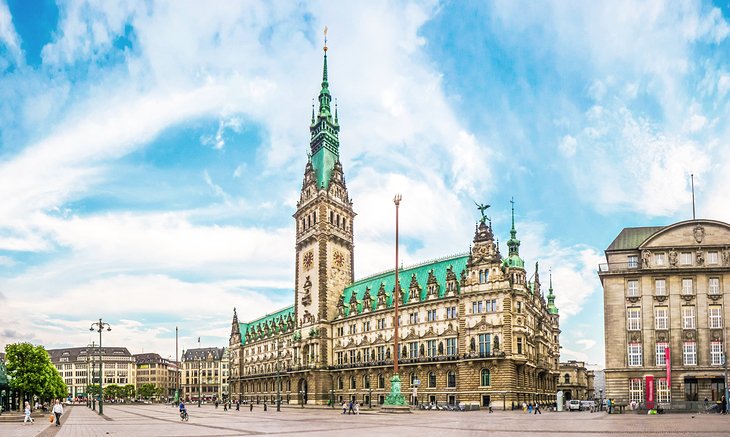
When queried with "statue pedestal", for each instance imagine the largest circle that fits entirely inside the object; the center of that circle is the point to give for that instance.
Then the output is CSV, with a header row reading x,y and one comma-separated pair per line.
x,y
395,402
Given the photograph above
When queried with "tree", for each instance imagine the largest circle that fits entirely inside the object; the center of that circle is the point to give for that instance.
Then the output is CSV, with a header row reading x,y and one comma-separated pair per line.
x,y
32,373
93,390
128,391
147,390
112,391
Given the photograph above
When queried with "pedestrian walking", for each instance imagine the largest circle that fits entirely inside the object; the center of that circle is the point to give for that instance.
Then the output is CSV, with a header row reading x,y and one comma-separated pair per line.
x,y
265,406
58,412
216,404
27,413
351,410
344,407
250,406
238,405
529,408
225,406
524,407
537,409
357,407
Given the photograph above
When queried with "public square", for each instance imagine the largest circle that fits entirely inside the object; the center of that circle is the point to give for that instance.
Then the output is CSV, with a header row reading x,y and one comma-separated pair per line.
x,y
159,420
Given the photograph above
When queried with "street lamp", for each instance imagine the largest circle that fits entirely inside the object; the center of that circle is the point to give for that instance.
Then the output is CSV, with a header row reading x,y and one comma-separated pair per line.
x,y
89,374
100,325
301,392
200,374
2,401
370,398
332,398
600,390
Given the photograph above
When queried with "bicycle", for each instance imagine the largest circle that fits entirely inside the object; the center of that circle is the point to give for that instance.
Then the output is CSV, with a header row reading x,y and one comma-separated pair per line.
x,y
184,416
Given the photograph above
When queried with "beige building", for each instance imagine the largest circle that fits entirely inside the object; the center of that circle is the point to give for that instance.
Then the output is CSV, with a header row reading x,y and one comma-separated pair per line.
x,y
474,327
119,367
205,374
161,372
576,381
665,293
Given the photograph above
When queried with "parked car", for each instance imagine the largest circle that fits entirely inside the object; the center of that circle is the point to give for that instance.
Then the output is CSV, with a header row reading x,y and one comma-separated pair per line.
x,y
587,405
574,405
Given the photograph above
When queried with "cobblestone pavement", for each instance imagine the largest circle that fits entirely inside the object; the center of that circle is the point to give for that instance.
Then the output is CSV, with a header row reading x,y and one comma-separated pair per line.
x,y
158,420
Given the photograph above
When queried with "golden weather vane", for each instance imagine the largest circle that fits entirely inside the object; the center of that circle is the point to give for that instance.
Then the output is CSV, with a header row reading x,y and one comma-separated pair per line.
x,y
325,38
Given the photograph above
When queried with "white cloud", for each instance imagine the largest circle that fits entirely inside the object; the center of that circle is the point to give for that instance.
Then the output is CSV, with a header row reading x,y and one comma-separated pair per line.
x,y
8,37
567,146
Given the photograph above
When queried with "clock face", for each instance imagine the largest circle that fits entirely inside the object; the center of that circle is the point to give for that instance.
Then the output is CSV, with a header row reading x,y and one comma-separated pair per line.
x,y
339,259
308,260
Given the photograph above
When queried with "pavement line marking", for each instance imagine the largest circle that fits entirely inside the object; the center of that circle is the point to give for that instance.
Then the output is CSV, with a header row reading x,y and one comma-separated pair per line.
x,y
194,424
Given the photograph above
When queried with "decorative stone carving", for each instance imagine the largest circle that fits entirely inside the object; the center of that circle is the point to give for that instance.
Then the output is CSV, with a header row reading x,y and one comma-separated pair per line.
x,y
700,258
726,257
635,337
673,258
662,336
716,334
307,297
689,334
646,259
699,233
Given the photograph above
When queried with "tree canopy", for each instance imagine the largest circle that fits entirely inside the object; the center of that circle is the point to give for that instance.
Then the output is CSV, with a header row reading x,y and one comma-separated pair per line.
x,y
148,390
30,370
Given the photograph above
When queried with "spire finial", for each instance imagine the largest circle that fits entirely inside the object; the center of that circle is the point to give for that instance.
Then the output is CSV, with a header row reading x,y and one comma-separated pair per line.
x,y
512,201
551,280
312,111
336,118
325,39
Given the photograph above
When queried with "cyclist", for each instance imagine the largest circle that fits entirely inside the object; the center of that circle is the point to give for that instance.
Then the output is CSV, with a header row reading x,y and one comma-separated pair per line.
x,y
183,411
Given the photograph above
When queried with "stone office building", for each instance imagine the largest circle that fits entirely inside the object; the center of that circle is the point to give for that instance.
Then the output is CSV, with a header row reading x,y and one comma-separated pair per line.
x,y
158,371
576,381
79,367
205,373
665,295
475,327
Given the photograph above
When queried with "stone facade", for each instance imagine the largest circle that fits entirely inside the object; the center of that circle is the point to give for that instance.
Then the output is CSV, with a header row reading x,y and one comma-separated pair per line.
x,y
119,367
161,372
473,327
212,364
665,292
576,381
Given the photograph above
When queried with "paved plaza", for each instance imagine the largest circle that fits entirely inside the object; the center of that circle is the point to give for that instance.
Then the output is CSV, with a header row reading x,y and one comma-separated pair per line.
x,y
158,420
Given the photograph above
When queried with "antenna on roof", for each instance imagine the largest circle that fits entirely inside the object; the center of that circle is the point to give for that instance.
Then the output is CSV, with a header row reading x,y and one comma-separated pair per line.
x,y
692,179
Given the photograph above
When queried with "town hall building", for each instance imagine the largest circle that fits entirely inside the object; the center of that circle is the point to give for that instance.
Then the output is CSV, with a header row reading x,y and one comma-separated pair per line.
x,y
473,328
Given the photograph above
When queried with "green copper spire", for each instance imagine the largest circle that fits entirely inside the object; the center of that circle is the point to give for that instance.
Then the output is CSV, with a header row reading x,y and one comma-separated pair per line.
x,y
324,132
513,244
552,309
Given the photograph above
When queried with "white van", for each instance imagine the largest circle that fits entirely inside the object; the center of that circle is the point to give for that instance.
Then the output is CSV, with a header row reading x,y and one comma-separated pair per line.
x,y
574,405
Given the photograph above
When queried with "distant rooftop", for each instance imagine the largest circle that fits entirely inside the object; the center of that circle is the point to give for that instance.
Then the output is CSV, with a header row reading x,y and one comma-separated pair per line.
x,y
631,238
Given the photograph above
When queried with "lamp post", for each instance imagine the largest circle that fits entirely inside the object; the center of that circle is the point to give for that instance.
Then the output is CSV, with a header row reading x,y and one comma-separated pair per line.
x,y
200,374
724,362
395,398
370,398
2,401
99,327
600,390
89,374
332,398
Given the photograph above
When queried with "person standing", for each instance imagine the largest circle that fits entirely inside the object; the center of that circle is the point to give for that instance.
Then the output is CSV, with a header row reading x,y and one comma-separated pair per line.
x,y
344,407
250,406
238,405
58,412
357,407
27,413
537,408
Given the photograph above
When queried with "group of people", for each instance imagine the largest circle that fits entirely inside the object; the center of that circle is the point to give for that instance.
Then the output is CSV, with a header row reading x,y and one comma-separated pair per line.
x,y
57,412
528,408
352,407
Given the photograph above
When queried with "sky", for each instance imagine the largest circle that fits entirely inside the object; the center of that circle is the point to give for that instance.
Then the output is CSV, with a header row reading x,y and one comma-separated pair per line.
x,y
151,152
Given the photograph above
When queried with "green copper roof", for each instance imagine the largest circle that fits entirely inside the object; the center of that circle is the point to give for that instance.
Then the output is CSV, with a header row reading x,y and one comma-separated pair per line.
x,y
631,238
261,322
552,309
324,130
439,267
513,259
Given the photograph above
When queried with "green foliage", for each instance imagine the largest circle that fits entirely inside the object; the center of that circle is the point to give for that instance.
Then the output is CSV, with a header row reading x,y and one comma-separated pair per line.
x,y
112,391
129,391
93,390
31,371
148,390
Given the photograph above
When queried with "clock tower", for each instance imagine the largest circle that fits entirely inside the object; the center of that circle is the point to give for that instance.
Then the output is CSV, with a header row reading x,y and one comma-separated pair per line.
x,y
324,234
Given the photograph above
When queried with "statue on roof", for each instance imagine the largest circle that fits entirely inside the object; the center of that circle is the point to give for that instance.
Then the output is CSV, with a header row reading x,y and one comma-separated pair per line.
x,y
482,208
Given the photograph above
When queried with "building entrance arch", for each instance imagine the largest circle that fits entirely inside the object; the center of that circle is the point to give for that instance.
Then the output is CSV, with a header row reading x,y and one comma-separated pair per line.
x,y
303,390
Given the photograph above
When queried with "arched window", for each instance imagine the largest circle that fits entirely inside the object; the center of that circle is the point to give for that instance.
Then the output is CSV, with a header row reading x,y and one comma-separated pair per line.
x,y
340,383
432,380
353,382
366,381
381,381
485,377
567,378
451,379
413,378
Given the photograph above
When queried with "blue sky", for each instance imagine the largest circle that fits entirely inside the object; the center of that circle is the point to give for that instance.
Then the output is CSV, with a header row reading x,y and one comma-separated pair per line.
x,y
151,152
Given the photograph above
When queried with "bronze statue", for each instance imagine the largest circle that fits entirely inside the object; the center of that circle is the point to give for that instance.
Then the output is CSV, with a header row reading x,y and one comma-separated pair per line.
x,y
482,207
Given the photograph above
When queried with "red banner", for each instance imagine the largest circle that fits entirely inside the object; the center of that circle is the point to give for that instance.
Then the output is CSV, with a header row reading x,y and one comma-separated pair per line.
x,y
649,386
668,359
